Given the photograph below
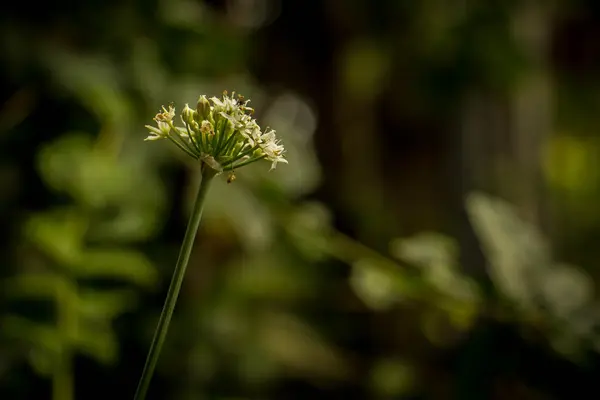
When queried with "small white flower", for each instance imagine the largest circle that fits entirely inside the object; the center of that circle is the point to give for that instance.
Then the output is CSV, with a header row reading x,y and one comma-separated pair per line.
x,y
272,148
206,128
163,120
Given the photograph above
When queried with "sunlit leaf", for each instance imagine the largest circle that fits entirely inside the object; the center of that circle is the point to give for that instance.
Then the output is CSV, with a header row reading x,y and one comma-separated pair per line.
x,y
566,289
517,252
425,249
376,286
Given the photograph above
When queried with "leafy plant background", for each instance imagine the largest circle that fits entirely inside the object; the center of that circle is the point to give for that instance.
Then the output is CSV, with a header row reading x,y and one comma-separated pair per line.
x,y
433,236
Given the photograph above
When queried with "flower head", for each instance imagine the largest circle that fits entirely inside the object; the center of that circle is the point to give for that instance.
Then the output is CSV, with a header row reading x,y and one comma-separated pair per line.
x,y
220,132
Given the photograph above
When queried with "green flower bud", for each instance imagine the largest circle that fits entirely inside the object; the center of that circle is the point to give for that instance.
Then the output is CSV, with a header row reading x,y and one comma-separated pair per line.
x,y
237,148
203,108
187,115
229,128
258,153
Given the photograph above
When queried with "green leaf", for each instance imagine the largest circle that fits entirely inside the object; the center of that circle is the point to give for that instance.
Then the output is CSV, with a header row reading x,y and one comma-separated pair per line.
x,y
99,305
518,254
378,287
58,233
45,341
92,176
97,341
59,161
299,348
426,249
35,285
94,80
392,377
309,226
127,265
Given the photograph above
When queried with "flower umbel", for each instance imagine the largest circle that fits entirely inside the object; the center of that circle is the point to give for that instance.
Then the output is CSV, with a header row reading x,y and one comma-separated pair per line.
x,y
221,133
223,136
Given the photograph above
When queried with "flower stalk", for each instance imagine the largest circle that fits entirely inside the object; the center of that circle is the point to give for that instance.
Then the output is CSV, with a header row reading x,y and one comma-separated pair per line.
x,y
222,137
178,274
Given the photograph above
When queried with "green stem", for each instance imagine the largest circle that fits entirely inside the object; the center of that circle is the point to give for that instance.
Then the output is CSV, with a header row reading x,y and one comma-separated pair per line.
x,y
242,154
230,167
182,147
194,141
178,274
62,379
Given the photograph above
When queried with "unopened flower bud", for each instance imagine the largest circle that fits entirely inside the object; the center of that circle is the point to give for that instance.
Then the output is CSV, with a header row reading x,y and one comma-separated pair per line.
x,y
258,153
229,128
203,108
187,115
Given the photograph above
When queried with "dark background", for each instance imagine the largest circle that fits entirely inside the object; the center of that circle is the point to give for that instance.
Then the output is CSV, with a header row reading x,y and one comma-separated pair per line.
x,y
434,235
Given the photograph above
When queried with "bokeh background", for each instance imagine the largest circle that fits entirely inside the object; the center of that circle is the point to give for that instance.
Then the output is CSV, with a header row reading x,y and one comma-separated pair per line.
x,y
434,235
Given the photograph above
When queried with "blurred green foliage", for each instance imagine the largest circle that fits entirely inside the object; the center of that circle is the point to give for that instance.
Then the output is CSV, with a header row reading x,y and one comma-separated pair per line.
x,y
290,291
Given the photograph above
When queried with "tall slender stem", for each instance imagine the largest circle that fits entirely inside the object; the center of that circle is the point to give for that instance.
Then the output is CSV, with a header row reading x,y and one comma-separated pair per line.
x,y
62,379
178,274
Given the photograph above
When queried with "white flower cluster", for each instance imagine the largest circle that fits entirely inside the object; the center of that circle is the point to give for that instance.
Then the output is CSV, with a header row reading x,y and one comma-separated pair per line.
x,y
223,134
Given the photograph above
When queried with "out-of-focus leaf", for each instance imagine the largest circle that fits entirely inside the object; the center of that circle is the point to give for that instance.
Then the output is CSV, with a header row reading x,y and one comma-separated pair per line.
x,y
425,249
95,81
130,222
256,365
93,177
45,341
571,163
300,349
119,264
98,341
379,288
271,277
566,289
518,254
184,14
35,285
99,305
59,161
436,328
202,361
42,361
391,377
310,227
461,314
101,181
437,256
59,234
